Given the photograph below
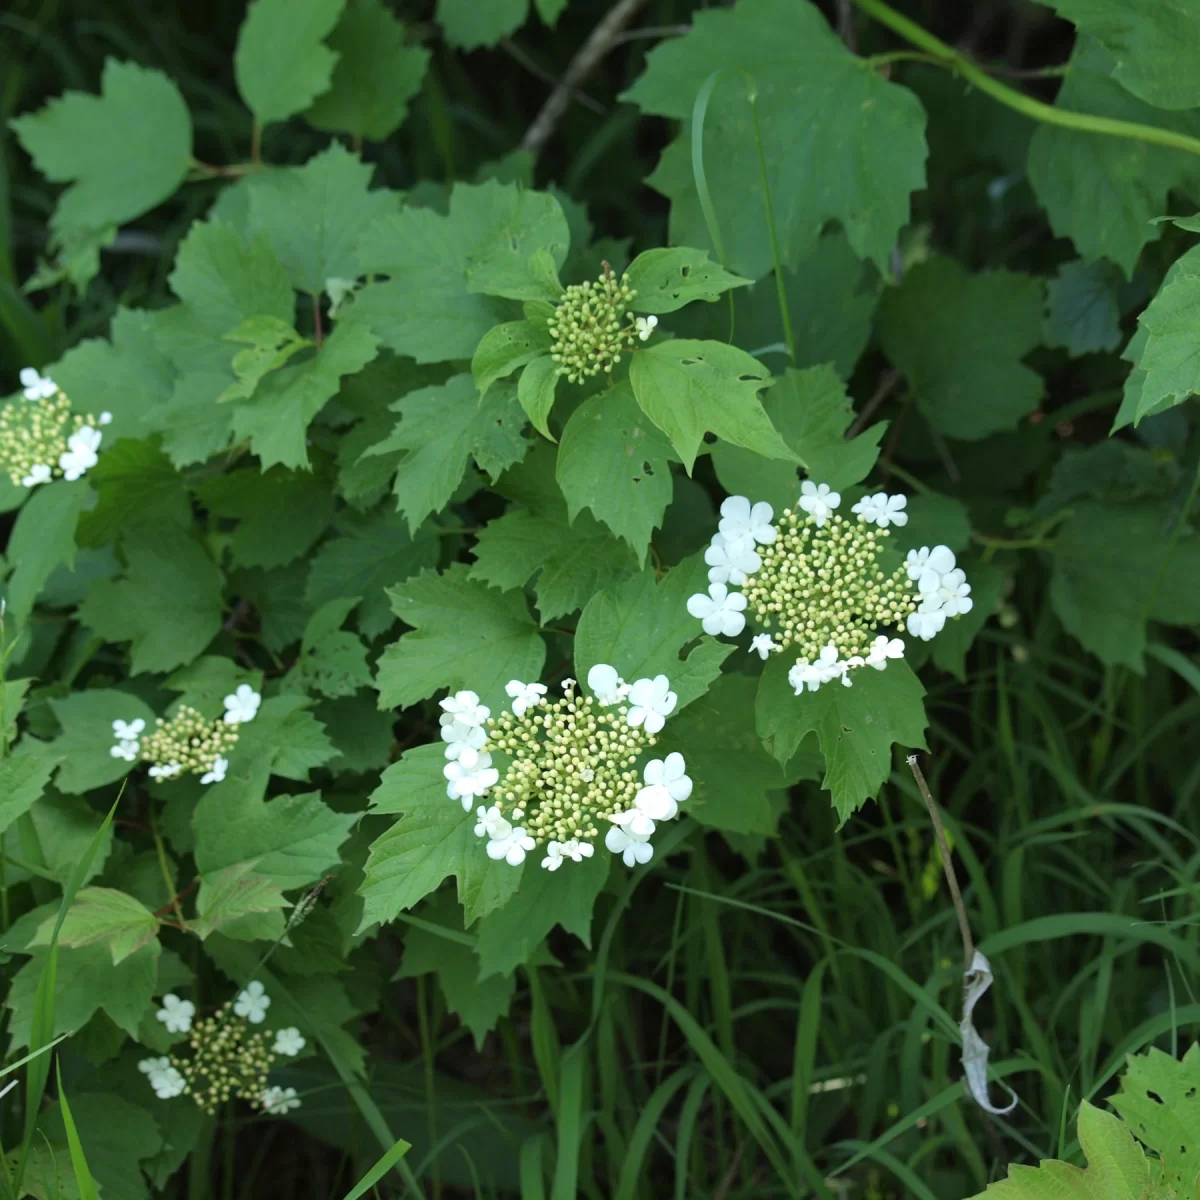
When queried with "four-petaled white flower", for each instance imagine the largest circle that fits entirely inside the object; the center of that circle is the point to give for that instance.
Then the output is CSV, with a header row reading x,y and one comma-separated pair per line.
x,y
721,611
469,776
241,705
883,648
558,852
465,707
490,820
928,621
106,418
168,1083
165,771
508,842
762,645
128,730
731,559
252,1003
741,519
176,1014
644,326
651,701
153,1066
632,848
524,695
39,473
80,454
818,500
279,1100
216,773
953,593
289,1042
607,686
36,386
126,749
460,737
882,510
927,566
666,787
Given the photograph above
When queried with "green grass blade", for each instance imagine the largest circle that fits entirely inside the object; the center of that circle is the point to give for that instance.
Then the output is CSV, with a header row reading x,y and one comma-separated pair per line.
x,y
699,111
386,1162
643,1132
83,1177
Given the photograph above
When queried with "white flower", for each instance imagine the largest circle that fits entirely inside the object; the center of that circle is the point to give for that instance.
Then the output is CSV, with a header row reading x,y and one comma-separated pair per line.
x,y
38,473
470,776
37,387
126,749
277,1100
510,843
491,822
558,852
128,730
721,611
762,645
953,593
631,848
153,1066
651,701
818,501
216,773
666,787
928,566
882,649
739,519
731,559
241,705
803,674
167,1083
811,675
524,695
927,621
252,1003
465,707
80,454
882,510
166,771
176,1014
106,418
460,736
644,326
289,1042
568,683
606,684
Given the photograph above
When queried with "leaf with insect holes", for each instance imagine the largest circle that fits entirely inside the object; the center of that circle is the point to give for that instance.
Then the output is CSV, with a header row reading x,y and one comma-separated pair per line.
x,y
666,279
506,347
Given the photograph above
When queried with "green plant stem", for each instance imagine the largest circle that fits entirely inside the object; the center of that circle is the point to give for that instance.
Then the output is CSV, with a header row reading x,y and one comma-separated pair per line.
x,y
1035,109
164,867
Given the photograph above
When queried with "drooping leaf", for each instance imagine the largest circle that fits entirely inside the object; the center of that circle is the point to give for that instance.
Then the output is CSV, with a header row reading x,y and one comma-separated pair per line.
x,y
42,538
1082,314
506,347
667,278
104,916
229,895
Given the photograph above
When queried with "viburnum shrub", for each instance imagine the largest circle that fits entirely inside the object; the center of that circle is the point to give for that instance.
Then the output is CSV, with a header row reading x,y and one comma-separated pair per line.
x,y
441,559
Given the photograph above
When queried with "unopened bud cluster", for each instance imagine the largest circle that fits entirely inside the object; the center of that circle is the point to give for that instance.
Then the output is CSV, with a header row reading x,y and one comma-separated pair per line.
x,y
41,439
591,326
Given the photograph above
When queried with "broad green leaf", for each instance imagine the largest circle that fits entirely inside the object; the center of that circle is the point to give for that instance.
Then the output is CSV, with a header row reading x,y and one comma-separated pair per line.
x,y
1167,358
856,726
1104,192
206,682
42,538
280,63
509,936
168,605
667,279
55,834
433,839
468,25
535,392
464,635
232,893
371,554
87,736
814,98
284,739
506,347
426,310
641,626
23,778
442,428
280,514
290,840
136,485
812,412
362,734
959,339
933,519
1154,44
84,140
1117,1168
376,75
1082,312
614,461
689,388
332,661
104,916
1106,579
270,343
312,216
575,560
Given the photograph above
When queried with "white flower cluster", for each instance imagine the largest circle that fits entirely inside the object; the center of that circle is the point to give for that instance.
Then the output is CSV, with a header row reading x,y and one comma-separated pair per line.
x,y
569,767
814,577
229,1059
44,438
188,743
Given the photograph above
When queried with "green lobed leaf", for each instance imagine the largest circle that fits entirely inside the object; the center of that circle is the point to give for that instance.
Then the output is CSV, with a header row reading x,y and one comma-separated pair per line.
x,y
42,538
332,661
87,736
535,392
284,739
1082,312
281,64
230,894
23,778
506,347
666,279
136,485
468,25
104,916
376,75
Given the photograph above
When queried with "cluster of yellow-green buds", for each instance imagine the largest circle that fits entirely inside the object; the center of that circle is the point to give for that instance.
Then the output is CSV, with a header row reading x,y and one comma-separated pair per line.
x,y
41,439
592,324
188,743
557,773
813,583
230,1059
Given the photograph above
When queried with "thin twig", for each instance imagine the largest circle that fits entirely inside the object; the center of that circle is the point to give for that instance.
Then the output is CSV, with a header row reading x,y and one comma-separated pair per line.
x,y
588,55
525,60
845,25
650,31
886,386
964,927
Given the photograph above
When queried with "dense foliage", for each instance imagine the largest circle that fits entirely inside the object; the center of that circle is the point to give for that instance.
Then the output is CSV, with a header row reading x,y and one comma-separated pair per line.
x,y
506,505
